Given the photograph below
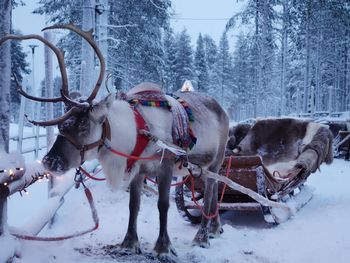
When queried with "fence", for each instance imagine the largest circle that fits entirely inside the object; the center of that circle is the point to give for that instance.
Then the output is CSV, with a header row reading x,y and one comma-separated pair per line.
x,y
37,145
34,149
246,112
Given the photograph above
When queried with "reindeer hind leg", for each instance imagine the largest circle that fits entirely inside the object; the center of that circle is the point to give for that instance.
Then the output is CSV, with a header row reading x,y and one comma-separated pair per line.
x,y
210,227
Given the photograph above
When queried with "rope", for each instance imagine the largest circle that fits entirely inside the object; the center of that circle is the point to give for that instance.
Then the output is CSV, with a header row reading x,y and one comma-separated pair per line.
x,y
94,217
133,157
92,176
146,177
209,216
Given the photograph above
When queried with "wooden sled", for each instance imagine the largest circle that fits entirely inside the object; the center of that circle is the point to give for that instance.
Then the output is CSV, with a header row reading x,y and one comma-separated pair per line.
x,y
250,172
275,158
342,145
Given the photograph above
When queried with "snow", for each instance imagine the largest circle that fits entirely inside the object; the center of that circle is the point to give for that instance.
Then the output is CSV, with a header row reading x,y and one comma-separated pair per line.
x,y
319,232
8,247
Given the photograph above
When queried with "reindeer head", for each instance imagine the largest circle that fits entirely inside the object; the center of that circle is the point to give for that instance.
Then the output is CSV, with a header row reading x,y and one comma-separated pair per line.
x,y
80,137
83,128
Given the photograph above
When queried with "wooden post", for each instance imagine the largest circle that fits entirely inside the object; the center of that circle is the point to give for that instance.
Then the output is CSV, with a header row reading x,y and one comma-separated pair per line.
x,y
21,117
49,110
312,101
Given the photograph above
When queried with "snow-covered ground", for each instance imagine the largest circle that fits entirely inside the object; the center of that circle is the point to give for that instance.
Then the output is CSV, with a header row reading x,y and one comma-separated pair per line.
x,y
319,232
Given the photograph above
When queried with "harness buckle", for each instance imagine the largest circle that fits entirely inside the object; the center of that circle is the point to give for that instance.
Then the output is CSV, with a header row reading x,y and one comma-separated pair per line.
x,y
78,178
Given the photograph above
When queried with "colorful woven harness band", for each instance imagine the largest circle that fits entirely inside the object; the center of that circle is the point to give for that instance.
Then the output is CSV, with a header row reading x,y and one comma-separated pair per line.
x,y
150,103
188,139
183,135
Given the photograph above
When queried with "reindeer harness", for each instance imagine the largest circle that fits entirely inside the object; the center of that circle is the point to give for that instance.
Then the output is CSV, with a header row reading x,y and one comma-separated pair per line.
x,y
182,133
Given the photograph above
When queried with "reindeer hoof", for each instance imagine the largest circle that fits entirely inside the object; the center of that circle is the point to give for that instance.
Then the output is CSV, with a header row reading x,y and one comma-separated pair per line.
x,y
165,252
122,250
127,250
167,257
202,238
215,232
131,245
164,249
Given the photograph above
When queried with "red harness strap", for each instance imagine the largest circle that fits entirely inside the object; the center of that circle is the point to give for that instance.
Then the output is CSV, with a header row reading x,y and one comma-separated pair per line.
x,y
141,140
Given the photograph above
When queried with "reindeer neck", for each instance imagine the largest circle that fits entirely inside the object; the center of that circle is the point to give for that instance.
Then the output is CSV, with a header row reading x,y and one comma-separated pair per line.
x,y
123,126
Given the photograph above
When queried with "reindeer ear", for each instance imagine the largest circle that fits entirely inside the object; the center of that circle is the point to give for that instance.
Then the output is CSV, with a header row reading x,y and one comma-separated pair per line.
x,y
99,111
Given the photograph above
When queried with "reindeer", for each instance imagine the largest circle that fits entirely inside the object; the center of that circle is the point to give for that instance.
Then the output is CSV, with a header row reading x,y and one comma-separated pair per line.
x,y
88,126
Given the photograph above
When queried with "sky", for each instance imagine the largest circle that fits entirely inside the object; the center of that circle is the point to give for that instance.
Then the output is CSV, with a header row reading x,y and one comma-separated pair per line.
x,y
204,16
28,23
198,16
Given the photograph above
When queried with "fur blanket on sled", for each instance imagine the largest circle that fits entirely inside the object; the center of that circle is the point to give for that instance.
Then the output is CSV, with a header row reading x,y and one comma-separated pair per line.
x,y
287,144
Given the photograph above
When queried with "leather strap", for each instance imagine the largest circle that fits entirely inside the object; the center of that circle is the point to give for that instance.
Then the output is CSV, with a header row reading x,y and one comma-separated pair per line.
x,y
141,140
106,134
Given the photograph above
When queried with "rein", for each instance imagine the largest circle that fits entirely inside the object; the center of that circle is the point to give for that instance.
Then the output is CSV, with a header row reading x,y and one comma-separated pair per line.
x,y
210,216
94,217
131,157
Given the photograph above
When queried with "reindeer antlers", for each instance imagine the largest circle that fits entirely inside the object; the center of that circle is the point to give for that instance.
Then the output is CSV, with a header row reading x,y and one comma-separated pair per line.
x,y
75,106
87,35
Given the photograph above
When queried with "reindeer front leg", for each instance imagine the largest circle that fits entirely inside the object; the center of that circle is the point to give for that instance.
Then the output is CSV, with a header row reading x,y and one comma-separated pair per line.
x,y
131,241
163,247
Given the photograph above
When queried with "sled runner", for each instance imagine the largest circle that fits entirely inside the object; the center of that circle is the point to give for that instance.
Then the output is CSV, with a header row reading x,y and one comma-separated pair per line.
x,y
342,145
274,159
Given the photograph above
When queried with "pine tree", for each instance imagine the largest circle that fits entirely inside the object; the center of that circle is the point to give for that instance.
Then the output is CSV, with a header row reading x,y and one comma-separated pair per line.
x,y
19,66
183,66
64,12
211,56
169,61
262,16
224,73
201,66
135,32
138,51
5,76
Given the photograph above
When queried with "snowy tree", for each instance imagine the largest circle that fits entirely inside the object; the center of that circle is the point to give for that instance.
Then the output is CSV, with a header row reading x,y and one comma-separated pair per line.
x,y
135,38
243,77
64,12
201,66
169,77
5,83
211,53
5,75
183,66
318,54
136,48
19,66
261,15
224,70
